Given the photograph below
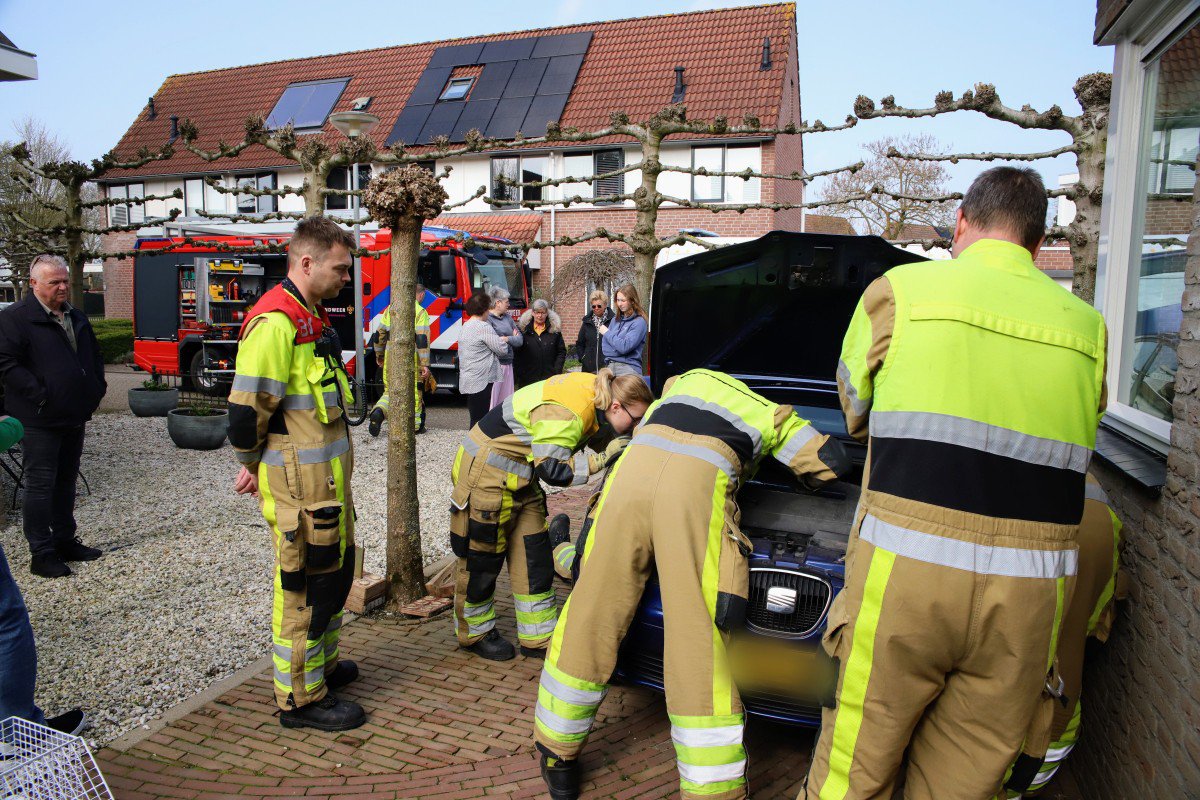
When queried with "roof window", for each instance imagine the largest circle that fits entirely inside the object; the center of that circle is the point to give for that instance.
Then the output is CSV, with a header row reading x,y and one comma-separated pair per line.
x,y
457,89
306,105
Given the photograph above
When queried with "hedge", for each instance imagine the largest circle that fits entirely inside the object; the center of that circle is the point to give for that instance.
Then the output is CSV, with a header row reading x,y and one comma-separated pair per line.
x,y
115,337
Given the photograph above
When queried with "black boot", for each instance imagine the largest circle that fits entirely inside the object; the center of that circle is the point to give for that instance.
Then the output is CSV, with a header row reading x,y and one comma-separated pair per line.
x,y
533,652
75,550
561,777
327,714
345,672
49,565
72,722
559,530
493,647
377,418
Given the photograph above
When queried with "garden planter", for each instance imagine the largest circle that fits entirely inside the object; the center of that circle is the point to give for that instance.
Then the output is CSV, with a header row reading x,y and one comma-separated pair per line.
x,y
152,402
195,432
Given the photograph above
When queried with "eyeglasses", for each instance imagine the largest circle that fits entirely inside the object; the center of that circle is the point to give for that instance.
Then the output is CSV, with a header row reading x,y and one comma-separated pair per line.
x,y
597,305
634,421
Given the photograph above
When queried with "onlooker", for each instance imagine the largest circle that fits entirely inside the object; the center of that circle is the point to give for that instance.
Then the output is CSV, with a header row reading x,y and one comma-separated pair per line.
x,y
53,377
505,328
479,352
624,340
544,352
587,345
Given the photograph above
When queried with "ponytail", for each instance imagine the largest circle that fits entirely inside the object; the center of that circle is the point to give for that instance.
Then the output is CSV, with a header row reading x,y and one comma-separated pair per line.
x,y
625,389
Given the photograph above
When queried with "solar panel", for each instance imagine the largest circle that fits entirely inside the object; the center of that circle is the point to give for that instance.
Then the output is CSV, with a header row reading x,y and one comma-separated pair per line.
x,y
440,122
492,81
563,44
544,109
508,117
306,105
560,75
456,55
525,78
475,114
408,127
507,50
429,85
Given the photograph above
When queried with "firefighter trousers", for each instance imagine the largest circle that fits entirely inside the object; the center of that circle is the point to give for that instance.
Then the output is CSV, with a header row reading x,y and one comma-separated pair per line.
x,y
673,513
498,517
384,403
310,511
948,663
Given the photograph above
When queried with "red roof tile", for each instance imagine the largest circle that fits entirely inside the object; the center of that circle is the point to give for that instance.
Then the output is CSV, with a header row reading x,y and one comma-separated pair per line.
x,y
629,67
820,223
517,227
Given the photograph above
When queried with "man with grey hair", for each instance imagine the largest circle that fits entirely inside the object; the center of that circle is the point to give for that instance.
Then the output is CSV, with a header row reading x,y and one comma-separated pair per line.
x,y
53,375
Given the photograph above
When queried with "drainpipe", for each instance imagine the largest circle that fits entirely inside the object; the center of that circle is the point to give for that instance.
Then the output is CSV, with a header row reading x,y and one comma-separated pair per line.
x,y
553,160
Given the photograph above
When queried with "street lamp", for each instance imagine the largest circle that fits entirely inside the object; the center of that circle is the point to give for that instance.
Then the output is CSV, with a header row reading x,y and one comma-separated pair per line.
x,y
353,124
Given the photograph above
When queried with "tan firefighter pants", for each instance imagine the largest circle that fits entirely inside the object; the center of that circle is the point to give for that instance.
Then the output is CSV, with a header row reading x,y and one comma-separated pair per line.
x,y
310,510
498,516
674,513
943,646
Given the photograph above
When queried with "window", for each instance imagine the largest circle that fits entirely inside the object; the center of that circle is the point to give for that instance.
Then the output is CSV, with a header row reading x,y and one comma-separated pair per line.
x,y
126,214
250,204
193,197
457,89
339,178
599,162
306,105
511,169
718,189
501,270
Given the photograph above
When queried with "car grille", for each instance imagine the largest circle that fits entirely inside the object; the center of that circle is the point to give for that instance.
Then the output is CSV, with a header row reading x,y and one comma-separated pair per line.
x,y
806,597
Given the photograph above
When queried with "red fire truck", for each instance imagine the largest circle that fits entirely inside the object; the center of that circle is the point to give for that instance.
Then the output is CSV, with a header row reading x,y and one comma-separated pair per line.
x,y
189,299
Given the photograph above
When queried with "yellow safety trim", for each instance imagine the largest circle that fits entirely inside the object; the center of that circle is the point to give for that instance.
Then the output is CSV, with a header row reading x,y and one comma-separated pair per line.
x,y
1060,590
722,697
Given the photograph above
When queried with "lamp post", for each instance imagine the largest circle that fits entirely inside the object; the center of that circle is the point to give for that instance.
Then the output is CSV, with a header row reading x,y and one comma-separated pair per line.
x,y
353,124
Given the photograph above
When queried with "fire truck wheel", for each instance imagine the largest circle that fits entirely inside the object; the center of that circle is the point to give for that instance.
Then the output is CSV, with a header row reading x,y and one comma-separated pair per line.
x,y
203,381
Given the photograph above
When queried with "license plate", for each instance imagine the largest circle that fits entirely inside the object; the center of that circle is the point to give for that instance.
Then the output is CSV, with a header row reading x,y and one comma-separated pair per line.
x,y
777,665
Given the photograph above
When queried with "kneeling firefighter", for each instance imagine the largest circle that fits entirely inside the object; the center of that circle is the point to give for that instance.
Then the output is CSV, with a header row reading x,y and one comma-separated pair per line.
x,y
498,509
420,365
668,505
288,429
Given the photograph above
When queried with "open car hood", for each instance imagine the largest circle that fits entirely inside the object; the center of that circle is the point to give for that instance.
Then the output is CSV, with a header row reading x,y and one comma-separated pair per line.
x,y
771,312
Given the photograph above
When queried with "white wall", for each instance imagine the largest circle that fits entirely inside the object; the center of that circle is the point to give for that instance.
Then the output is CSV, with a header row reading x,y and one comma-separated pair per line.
x,y
293,203
1066,207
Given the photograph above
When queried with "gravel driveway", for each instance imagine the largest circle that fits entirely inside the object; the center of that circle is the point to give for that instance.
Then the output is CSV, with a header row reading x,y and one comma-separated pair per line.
x,y
181,598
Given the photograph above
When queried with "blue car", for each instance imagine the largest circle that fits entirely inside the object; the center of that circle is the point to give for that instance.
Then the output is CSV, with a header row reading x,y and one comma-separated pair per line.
x,y
772,313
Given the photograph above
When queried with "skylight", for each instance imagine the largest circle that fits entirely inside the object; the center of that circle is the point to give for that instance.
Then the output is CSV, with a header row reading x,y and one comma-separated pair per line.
x,y
457,89
306,105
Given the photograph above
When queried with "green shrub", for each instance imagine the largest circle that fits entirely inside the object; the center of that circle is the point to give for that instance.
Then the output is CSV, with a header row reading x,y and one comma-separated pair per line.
x,y
115,337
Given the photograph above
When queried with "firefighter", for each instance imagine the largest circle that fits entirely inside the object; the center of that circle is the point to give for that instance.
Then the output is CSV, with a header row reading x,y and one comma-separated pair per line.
x,y
288,429
978,384
420,364
668,505
1090,612
498,509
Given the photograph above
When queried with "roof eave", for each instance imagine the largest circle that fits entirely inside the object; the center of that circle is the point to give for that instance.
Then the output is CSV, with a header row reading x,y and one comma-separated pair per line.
x,y
17,65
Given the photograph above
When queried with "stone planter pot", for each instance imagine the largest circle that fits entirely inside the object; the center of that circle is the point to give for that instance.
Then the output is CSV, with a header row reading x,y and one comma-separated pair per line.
x,y
193,432
152,402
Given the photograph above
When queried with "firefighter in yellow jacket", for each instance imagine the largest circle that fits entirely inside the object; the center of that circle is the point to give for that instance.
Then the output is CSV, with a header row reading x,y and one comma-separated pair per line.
x,y
978,384
420,364
287,428
1090,613
498,509
668,505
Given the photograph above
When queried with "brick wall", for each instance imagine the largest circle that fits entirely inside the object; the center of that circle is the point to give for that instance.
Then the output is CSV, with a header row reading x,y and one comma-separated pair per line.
x,y
1141,695
1054,258
118,276
1168,217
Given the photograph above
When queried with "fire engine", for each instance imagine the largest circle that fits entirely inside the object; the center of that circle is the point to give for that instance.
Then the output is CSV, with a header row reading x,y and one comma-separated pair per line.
x,y
190,298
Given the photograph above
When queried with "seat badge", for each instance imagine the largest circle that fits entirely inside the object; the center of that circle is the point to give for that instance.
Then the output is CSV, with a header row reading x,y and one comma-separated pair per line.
x,y
781,600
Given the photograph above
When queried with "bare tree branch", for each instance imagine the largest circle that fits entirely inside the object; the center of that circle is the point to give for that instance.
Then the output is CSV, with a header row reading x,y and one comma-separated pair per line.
x,y
954,158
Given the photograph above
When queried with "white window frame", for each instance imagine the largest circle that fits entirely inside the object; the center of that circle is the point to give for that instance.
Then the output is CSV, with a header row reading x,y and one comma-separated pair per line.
x,y
1124,205
466,81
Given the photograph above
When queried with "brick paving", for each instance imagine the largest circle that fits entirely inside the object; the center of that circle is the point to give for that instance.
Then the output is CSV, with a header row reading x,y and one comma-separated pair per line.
x,y
442,724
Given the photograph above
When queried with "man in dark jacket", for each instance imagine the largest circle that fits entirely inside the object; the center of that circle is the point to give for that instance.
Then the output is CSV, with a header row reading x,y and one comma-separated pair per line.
x,y
587,346
544,352
53,377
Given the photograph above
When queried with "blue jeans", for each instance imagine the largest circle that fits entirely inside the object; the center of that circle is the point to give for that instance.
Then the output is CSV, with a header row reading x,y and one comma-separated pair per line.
x,y
18,657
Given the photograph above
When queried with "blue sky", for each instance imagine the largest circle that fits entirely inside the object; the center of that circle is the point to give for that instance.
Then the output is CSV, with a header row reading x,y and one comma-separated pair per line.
x,y
99,62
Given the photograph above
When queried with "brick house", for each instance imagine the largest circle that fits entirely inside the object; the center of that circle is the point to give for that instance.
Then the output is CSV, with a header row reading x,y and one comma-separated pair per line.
x,y
1141,695
728,62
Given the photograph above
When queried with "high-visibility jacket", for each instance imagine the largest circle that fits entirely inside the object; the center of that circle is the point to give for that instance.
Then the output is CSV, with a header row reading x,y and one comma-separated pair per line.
x,y
741,427
982,383
542,428
280,370
421,324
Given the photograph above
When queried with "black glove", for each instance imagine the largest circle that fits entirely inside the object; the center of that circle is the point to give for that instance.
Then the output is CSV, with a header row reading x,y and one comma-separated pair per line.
x,y
555,472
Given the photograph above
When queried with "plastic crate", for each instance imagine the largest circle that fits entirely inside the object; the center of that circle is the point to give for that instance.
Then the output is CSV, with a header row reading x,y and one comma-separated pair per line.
x,y
40,763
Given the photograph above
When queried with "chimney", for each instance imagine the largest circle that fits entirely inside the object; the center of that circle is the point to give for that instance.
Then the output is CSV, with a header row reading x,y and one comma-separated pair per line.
x,y
766,54
680,88
153,112
174,127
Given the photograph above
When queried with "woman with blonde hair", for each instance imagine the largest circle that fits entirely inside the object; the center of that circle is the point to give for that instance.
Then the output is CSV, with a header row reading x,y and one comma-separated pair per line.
x,y
498,511
587,345
624,340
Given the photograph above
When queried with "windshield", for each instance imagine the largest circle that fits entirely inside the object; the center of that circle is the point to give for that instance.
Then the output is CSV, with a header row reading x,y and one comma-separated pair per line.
x,y
503,271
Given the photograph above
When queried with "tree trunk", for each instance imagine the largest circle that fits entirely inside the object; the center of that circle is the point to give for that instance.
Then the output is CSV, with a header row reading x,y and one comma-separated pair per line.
x,y
644,240
314,199
73,237
405,572
1084,230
